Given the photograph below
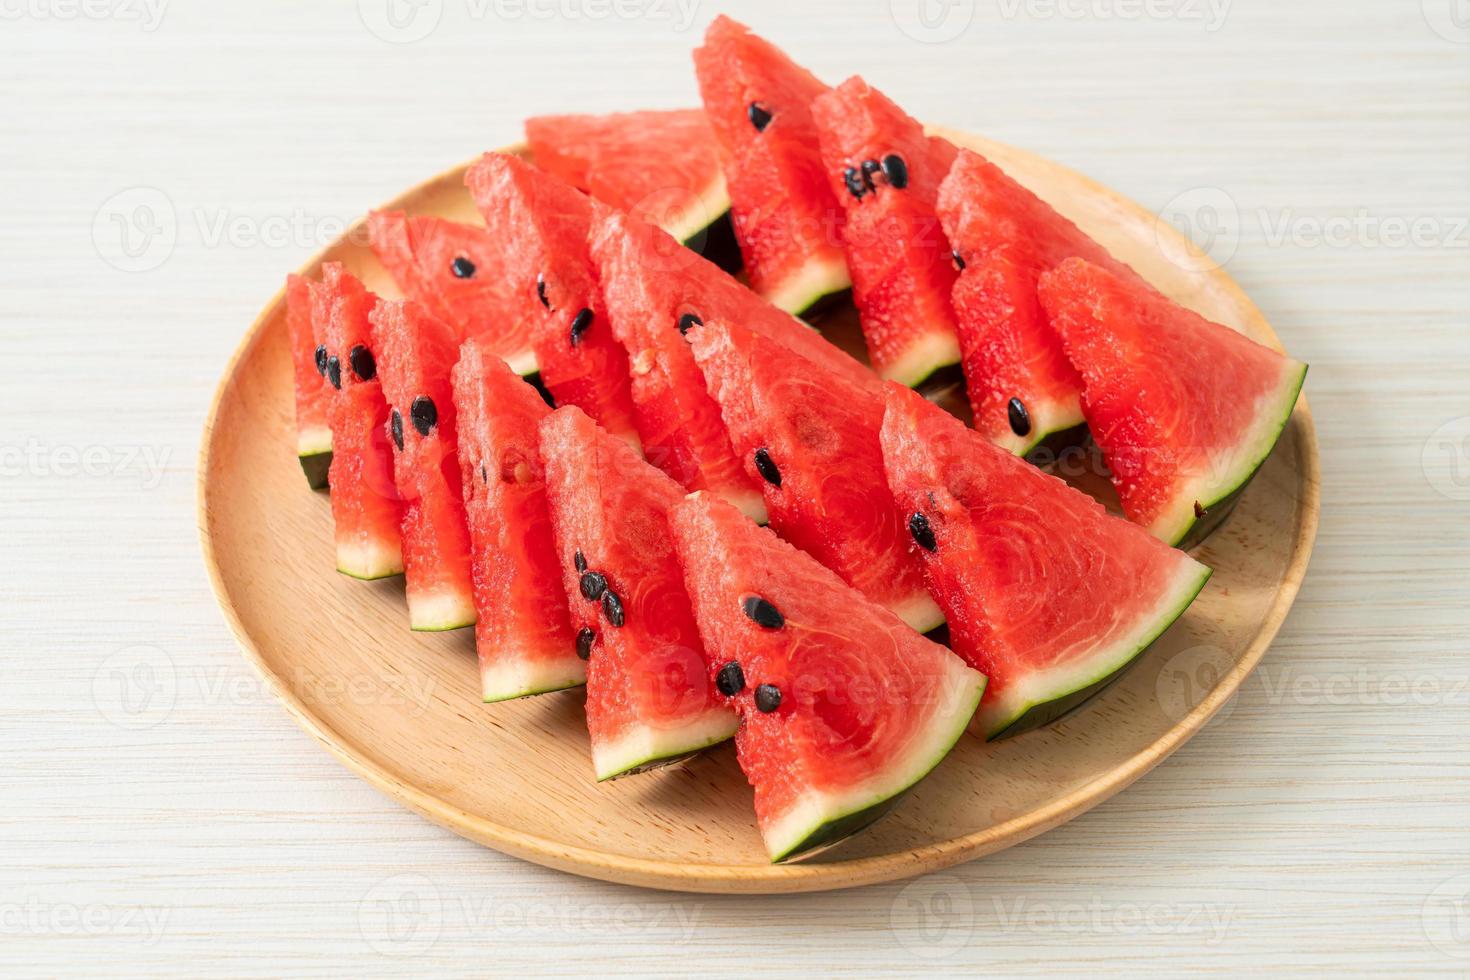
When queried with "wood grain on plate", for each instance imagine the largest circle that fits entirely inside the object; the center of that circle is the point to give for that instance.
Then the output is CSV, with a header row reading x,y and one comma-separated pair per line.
x,y
402,709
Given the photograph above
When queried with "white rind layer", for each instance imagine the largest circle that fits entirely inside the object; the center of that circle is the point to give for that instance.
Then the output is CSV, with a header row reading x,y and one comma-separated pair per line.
x,y
369,559
818,278
512,675
936,349
712,201
644,744
435,612
920,612
1047,418
313,441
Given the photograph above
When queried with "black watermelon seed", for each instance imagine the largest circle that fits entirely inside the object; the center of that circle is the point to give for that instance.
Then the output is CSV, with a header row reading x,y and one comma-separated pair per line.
x,y
854,181
762,613
424,414
922,532
896,171
462,267
1020,419
321,360
579,562
688,322
766,467
959,262
593,585
580,323
363,364
334,372
484,473
767,698
759,116
541,290
870,167
585,639
612,607
395,425
730,681
1199,511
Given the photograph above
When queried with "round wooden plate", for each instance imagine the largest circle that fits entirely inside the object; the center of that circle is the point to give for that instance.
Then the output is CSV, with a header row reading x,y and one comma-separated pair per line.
x,y
402,709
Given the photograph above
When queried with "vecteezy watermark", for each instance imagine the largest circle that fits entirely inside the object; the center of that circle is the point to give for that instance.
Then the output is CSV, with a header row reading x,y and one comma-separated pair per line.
x,y
1446,917
37,918
932,21
147,14
1208,219
1096,916
407,21
136,229
1210,13
1445,459
933,917
1450,19
37,459
136,687
401,915
1188,677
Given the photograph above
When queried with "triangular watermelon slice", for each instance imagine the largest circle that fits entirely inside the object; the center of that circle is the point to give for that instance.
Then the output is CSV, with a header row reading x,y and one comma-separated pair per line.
x,y
649,697
540,226
886,172
1045,592
842,706
1022,387
313,394
366,510
522,633
786,220
415,353
1185,410
811,438
452,269
659,165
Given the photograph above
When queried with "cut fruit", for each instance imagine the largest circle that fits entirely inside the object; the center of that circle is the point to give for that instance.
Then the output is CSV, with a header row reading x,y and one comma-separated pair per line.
x,y
786,220
1185,410
658,165
1045,592
313,394
649,698
366,510
523,637
415,353
886,173
1022,387
811,439
842,706
540,225
452,270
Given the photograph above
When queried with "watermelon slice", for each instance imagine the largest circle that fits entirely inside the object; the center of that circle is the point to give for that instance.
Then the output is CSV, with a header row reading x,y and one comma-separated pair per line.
x,y
540,225
451,269
842,706
811,438
786,220
649,697
523,636
313,394
659,165
1021,385
366,510
1185,410
415,354
1045,592
886,173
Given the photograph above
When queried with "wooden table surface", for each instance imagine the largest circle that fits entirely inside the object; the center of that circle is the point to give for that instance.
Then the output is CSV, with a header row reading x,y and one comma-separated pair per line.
x,y
162,164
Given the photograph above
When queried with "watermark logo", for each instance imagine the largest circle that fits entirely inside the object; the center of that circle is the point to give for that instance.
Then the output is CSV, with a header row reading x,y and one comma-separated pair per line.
x,y
932,21
1446,917
136,687
147,14
36,918
1188,678
136,229
1209,219
933,917
1450,19
401,916
400,21
1445,459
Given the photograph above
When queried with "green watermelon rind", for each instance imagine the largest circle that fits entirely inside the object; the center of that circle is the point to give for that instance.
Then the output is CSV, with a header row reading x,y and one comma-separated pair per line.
x,y
519,676
930,353
314,453
369,562
1076,684
647,748
813,282
830,819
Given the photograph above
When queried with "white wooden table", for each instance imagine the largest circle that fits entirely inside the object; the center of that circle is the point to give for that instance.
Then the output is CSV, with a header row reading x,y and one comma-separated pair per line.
x,y
160,814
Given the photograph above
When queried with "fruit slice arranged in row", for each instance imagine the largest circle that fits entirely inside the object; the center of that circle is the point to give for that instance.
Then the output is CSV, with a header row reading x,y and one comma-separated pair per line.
x,y
1021,385
452,270
842,706
659,165
366,511
522,634
811,438
309,371
415,353
1185,410
786,219
540,225
649,697
1045,592
886,173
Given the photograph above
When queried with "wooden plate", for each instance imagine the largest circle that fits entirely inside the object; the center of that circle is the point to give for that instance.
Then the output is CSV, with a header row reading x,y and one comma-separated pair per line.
x,y
402,709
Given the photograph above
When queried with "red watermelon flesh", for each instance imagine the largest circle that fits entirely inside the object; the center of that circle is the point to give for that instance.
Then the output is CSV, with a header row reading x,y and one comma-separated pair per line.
x,y
660,165
787,222
1185,410
452,270
540,225
842,706
649,697
1005,237
366,511
1045,592
820,465
522,633
415,354
313,394
886,172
